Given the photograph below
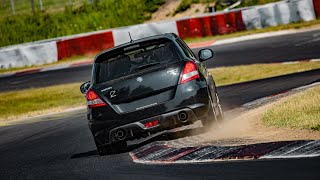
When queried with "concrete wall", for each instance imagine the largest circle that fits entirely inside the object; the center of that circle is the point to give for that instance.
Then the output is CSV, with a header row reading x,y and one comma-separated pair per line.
x,y
27,55
274,14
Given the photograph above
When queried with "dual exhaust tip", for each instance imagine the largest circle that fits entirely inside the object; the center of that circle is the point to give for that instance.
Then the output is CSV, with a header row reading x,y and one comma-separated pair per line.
x,y
121,134
183,116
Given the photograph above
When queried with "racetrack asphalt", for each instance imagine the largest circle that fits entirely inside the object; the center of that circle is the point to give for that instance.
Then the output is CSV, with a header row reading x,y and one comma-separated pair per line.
x,y
61,147
291,47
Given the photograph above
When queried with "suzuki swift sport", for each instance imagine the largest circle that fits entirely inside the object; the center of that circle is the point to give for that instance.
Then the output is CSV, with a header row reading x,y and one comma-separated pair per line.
x,y
147,86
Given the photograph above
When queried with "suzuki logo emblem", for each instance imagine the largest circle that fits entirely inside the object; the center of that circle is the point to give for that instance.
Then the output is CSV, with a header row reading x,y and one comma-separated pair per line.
x,y
139,79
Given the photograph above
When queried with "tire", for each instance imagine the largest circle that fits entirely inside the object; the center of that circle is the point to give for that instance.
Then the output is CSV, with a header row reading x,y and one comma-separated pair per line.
x,y
220,114
216,101
112,148
211,118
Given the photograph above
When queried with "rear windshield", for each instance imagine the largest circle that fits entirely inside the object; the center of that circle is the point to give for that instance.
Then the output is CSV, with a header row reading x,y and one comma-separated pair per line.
x,y
137,57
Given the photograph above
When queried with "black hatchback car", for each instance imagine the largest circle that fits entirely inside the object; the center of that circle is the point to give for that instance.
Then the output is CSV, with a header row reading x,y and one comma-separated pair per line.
x,y
146,86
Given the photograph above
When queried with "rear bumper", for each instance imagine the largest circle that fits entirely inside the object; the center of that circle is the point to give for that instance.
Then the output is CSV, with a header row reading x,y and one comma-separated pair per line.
x,y
137,129
191,98
169,120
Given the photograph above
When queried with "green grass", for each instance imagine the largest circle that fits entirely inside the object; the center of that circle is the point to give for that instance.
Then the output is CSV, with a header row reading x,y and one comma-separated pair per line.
x,y
300,111
24,6
297,25
37,101
104,14
243,73
184,5
26,103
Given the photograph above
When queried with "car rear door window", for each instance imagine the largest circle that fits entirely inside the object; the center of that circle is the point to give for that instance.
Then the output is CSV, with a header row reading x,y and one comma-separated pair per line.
x,y
186,49
131,59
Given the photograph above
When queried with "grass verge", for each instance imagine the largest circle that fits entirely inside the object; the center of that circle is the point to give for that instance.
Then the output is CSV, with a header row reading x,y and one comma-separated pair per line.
x,y
297,25
300,111
27,103
237,74
31,102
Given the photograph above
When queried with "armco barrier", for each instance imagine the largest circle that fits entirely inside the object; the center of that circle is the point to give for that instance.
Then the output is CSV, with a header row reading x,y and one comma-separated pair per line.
x,y
274,14
229,22
211,25
27,55
85,44
305,10
316,5
286,13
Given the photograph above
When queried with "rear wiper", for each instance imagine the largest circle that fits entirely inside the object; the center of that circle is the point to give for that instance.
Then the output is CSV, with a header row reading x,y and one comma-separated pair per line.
x,y
146,66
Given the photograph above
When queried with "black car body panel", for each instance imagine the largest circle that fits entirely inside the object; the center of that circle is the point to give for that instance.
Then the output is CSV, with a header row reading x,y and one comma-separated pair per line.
x,y
130,90
192,95
140,83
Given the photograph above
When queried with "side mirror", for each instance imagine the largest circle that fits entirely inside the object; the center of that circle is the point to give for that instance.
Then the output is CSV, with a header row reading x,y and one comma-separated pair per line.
x,y
85,87
205,54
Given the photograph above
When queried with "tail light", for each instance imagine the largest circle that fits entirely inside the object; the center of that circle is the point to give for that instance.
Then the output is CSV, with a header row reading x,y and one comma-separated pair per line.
x,y
190,72
93,100
151,124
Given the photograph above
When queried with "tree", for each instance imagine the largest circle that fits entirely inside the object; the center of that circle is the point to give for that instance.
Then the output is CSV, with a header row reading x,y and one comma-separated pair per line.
x,y
32,6
12,6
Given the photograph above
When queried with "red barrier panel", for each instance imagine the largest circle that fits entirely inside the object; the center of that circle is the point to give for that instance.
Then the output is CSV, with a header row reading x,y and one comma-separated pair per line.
x,y
230,22
316,5
211,25
85,45
189,28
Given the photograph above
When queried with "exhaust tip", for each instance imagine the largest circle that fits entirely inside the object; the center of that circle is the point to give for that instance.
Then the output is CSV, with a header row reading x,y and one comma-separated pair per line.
x,y
120,134
183,116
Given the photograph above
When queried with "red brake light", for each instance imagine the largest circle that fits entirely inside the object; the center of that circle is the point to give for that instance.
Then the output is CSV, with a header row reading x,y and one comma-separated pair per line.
x,y
93,100
190,72
151,124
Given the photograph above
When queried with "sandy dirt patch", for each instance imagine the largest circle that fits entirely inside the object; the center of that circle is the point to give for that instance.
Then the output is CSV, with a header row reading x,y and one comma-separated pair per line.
x,y
249,127
241,127
166,11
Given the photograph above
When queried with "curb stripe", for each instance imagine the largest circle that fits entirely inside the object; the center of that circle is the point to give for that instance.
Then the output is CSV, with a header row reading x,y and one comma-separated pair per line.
x,y
156,155
27,72
315,60
182,152
150,150
200,45
215,152
64,66
299,149
273,150
6,75
253,151
82,63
